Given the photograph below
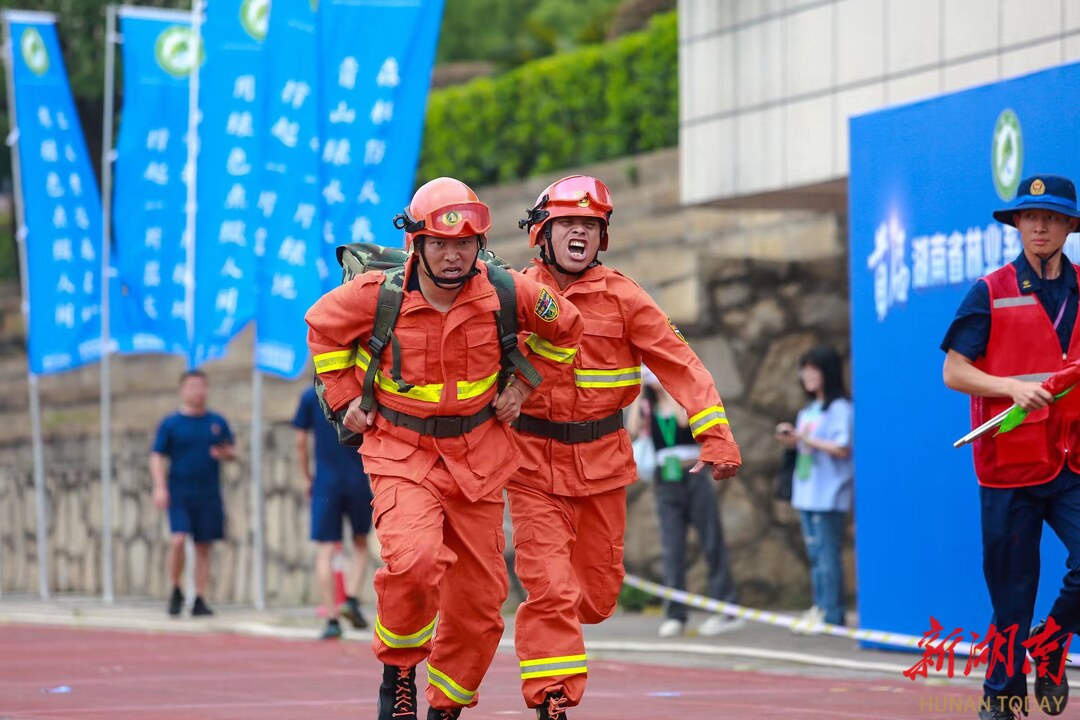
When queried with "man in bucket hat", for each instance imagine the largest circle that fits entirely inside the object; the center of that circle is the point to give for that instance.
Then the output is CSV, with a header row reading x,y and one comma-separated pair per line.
x,y
1014,329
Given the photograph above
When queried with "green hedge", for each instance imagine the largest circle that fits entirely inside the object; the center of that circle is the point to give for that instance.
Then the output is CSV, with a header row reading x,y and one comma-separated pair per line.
x,y
601,102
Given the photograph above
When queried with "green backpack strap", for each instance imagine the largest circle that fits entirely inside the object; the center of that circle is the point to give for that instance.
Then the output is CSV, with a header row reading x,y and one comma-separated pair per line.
x,y
506,325
391,293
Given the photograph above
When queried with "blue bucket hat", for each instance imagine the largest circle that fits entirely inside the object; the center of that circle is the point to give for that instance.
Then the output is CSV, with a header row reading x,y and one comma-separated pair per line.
x,y
1042,192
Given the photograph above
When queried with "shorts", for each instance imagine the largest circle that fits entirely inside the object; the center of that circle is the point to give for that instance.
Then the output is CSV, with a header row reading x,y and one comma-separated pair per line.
x,y
200,516
330,506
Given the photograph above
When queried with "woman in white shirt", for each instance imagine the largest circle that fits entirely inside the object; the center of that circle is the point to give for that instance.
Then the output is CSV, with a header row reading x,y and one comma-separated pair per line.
x,y
822,483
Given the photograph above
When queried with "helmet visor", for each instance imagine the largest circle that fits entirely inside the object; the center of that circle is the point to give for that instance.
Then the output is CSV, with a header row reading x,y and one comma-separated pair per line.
x,y
582,191
458,220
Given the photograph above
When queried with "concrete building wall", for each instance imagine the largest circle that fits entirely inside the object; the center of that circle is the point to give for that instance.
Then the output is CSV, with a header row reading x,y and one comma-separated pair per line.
x,y
767,86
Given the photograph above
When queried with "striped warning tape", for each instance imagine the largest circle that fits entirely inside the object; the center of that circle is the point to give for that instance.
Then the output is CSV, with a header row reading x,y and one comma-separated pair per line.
x,y
791,622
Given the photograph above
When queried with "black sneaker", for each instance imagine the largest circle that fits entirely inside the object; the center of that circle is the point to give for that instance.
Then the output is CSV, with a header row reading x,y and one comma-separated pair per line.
x,y
434,714
397,694
176,602
1051,696
200,608
350,610
553,707
332,631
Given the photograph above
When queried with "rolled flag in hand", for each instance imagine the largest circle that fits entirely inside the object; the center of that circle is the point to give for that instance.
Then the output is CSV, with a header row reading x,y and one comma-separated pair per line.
x,y
1059,385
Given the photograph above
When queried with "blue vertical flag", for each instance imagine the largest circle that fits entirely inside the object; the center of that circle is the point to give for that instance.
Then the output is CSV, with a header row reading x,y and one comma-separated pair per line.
x,y
61,202
375,95
227,234
148,303
367,100
292,269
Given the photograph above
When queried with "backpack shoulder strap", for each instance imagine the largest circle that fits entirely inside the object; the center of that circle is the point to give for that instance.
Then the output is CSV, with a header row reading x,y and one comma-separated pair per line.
x,y
391,293
506,325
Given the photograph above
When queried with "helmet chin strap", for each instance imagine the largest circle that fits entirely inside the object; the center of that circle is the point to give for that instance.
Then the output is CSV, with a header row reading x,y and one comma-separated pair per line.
x,y
547,256
444,282
1044,260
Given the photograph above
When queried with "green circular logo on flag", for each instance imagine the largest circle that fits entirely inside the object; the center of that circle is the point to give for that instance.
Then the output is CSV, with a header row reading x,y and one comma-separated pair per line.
x,y
255,17
34,52
1007,154
176,52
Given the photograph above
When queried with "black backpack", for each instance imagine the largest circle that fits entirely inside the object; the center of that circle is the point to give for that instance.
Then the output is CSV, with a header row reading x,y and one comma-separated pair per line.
x,y
358,258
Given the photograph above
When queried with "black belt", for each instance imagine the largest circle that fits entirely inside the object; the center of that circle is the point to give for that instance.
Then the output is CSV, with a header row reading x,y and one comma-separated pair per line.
x,y
439,426
571,432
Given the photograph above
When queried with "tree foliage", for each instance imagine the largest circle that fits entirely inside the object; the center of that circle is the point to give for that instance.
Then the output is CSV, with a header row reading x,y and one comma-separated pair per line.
x,y
596,103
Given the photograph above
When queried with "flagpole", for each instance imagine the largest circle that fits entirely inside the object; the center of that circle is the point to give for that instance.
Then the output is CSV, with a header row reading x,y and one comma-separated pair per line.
x,y
111,39
192,173
258,539
24,273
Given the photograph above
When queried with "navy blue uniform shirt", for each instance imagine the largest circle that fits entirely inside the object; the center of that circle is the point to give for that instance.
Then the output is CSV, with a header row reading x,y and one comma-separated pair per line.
x,y
335,464
969,332
186,441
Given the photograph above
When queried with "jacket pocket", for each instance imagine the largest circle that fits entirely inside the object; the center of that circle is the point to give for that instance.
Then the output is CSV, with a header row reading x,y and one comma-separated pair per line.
x,y
413,344
1026,444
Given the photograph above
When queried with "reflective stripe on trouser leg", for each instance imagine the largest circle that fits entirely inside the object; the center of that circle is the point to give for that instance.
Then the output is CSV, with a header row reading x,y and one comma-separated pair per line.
x,y
470,604
409,520
547,625
553,666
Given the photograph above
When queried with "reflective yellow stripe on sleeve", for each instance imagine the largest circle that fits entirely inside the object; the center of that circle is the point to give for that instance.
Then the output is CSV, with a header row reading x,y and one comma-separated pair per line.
x,y
708,417
448,687
622,377
336,360
404,641
542,347
554,666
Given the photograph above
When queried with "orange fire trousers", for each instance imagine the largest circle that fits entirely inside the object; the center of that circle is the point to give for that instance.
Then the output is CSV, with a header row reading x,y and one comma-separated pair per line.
x,y
444,562
569,558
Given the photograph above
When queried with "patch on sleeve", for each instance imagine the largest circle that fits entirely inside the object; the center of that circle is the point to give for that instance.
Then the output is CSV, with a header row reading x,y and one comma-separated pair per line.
x,y
546,307
675,330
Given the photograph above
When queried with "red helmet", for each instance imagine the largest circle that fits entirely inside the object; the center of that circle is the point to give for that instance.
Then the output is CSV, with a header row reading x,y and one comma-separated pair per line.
x,y
574,196
444,208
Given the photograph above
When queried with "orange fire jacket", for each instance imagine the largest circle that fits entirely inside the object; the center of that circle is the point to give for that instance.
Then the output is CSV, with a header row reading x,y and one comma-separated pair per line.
x,y
623,327
453,360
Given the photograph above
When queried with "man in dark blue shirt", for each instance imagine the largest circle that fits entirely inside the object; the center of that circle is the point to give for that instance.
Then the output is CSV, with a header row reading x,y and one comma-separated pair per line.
x,y
185,468
1025,476
338,490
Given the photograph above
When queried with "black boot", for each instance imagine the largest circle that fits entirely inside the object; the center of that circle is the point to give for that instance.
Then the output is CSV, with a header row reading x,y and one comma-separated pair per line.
x,y
176,602
397,694
1052,696
553,707
435,714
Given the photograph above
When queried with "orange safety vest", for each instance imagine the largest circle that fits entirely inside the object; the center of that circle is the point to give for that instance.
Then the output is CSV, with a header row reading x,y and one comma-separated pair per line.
x,y
1024,345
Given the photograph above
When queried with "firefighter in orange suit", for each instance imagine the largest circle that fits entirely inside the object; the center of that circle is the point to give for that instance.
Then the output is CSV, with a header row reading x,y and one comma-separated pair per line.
x,y
568,499
439,452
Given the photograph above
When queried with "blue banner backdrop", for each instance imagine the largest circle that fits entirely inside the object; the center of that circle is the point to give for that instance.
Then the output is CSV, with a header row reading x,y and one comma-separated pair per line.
x,y
228,233
291,269
148,303
924,181
61,203
375,94
342,149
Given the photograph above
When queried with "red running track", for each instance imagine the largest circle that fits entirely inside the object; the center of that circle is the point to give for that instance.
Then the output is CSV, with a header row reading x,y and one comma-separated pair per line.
x,y
158,676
